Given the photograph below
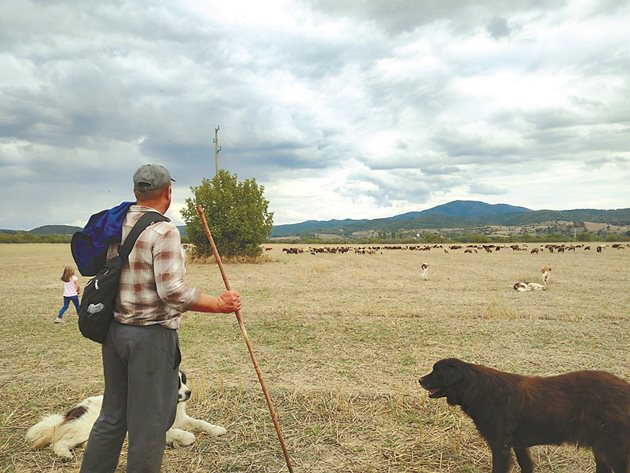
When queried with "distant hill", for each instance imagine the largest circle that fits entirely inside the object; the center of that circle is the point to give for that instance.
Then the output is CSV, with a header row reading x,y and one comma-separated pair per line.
x,y
64,230
445,215
611,217
46,230
473,209
459,214
462,209
456,214
55,230
312,226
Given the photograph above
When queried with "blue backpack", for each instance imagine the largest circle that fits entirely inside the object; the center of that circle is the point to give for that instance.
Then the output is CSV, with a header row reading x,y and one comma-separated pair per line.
x,y
89,246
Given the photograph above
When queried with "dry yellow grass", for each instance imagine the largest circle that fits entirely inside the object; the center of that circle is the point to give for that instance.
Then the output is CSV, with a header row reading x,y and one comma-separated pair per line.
x,y
341,340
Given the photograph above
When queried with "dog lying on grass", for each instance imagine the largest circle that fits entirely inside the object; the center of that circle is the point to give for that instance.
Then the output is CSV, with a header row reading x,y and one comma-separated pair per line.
x,y
524,286
510,411
69,431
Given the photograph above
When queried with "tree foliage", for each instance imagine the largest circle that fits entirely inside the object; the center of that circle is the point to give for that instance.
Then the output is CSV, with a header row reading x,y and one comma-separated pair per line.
x,y
26,237
237,215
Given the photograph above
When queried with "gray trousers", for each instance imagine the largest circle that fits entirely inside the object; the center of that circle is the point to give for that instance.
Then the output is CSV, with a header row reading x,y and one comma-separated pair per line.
x,y
141,382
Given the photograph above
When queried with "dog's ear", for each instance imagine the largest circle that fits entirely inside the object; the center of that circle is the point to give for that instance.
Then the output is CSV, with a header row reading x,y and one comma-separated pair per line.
x,y
452,373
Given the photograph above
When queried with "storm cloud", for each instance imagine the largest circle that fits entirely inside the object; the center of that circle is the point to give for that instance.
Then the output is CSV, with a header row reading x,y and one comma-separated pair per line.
x,y
340,109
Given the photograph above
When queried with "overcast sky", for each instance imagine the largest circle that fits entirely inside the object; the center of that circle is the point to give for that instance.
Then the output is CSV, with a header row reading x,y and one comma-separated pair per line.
x,y
339,108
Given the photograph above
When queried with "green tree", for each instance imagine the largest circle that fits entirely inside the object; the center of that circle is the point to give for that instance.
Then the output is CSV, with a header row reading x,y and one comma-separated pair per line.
x,y
237,214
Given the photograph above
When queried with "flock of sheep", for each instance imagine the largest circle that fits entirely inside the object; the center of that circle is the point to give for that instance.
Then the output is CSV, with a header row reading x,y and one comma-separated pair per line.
x,y
520,286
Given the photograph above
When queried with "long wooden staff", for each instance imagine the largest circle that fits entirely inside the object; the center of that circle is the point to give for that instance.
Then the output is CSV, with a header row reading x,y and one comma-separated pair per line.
x,y
226,281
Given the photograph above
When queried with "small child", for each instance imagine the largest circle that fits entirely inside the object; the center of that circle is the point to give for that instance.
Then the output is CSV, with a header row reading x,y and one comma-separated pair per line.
x,y
71,291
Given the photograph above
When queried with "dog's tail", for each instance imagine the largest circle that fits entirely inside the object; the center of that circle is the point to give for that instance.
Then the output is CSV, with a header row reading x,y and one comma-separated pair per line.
x,y
42,433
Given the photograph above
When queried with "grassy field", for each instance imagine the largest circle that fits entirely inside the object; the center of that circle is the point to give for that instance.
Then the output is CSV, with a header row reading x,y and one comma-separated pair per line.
x,y
341,340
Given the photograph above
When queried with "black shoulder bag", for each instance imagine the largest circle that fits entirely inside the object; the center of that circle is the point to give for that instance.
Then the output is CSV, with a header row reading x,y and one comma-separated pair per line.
x,y
99,296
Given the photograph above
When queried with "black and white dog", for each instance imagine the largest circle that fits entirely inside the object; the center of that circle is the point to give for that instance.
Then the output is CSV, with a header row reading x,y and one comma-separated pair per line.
x,y
65,432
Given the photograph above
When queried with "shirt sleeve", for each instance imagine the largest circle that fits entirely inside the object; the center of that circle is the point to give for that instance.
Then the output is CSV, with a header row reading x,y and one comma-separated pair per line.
x,y
169,271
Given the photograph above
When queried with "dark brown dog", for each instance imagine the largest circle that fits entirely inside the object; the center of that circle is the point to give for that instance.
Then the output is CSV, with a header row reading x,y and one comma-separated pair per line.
x,y
510,411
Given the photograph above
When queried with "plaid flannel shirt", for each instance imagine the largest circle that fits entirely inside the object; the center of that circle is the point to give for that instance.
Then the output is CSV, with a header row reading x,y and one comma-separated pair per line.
x,y
152,289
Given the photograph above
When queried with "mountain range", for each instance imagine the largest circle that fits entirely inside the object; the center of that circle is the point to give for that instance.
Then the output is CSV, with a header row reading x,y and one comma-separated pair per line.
x,y
49,230
463,214
457,214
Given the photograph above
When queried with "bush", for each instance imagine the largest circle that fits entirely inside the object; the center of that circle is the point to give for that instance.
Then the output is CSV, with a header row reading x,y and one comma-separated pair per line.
x,y
237,214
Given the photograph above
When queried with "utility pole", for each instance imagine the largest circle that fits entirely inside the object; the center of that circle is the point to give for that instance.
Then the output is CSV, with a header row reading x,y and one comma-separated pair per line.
x,y
217,148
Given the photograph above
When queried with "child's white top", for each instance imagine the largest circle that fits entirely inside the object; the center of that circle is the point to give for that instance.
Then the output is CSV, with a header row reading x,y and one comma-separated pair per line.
x,y
70,287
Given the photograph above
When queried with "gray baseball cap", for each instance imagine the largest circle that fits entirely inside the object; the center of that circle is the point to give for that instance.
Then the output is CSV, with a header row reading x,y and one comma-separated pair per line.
x,y
151,177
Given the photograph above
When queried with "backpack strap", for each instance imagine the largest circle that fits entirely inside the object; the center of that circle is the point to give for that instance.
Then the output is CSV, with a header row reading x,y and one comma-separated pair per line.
x,y
147,219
